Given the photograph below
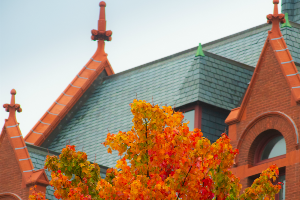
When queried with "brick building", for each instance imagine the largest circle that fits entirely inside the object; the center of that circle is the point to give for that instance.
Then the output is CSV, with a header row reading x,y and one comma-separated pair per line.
x,y
250,79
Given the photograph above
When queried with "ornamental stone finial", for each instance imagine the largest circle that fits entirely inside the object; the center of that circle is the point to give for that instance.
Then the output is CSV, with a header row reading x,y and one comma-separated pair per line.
x,y
275,19
12,107
101,33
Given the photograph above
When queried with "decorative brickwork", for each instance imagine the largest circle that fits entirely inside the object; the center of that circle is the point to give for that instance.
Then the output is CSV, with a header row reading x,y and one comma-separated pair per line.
x,y
270,103
17,174
10,174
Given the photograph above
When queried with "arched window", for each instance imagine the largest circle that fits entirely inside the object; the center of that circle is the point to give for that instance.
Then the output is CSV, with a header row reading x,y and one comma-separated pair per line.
x,y
271,147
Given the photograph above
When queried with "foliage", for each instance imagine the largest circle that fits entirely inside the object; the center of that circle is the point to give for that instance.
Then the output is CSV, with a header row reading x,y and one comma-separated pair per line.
x,y
36,195
167,161
73,176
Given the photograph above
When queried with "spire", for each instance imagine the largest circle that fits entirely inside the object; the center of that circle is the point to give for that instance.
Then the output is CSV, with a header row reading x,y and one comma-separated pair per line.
x,y
12,107
275,19
101,34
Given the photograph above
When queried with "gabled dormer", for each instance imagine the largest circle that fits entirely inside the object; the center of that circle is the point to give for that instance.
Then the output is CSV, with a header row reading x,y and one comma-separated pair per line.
x,y
265,128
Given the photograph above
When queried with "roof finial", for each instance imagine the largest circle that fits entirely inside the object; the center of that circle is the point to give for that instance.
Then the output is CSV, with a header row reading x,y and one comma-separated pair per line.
x,y
287,22
275,19
12,107
101,33
200,51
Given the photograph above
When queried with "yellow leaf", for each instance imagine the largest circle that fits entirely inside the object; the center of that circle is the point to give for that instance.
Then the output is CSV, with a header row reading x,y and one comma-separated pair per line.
x,y
81,164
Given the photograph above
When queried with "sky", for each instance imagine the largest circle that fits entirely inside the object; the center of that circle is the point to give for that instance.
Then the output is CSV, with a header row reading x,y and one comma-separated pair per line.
x,y
44,44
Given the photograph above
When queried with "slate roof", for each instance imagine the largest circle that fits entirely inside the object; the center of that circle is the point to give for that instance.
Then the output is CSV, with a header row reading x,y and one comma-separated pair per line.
x,y
246,46
292,7
38,157
176,80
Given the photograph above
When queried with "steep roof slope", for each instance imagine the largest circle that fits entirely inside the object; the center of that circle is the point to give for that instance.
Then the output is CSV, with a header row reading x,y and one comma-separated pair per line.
x,y
176,80
245,47
77,91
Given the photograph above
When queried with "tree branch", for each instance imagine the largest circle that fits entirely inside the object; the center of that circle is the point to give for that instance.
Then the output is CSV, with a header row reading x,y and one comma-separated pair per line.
x,y
185,180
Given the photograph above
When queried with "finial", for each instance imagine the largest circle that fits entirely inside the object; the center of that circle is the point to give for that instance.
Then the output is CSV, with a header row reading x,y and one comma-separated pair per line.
x,y
12,107
287,22
102,4
275,19
199,51
13,92
101,33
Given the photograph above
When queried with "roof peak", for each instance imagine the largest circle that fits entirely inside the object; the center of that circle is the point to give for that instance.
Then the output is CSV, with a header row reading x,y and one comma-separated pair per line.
x,y
275,19
101,34
12,107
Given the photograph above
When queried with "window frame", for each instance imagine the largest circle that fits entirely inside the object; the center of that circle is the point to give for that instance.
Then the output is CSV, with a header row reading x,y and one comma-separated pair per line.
x,y
198,113
281,173
261,148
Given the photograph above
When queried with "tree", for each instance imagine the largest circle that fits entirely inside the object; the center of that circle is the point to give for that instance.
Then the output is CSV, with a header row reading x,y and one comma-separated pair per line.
x,y
167,161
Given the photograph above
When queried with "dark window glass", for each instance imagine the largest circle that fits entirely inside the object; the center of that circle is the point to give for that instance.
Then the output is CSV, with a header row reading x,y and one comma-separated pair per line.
x,y
190,116
275,147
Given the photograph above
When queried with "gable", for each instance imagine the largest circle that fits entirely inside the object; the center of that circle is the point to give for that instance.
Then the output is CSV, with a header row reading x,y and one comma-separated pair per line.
x,y
270,84
10,170
275,51
75,93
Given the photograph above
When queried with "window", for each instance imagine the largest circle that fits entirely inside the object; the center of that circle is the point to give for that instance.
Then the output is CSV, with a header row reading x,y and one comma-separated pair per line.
x,y
190,116
193,114
274,147
281,195
271,146
281,178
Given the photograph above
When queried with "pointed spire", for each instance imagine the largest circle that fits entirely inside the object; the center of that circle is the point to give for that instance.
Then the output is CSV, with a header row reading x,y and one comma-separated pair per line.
x,y
12,107
287,22
275,19
199,51
101,33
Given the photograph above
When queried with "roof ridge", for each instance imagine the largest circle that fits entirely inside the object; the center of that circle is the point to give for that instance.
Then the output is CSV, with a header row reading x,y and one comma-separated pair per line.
x,y
75,90
216,56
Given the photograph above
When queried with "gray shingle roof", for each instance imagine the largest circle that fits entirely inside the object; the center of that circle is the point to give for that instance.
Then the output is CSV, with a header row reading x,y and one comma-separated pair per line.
x,y
38,158
247,49
292,7
214,81
176,80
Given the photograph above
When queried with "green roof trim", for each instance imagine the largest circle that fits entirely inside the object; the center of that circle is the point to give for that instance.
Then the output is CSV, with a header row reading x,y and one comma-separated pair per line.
x,y
287,22
200,51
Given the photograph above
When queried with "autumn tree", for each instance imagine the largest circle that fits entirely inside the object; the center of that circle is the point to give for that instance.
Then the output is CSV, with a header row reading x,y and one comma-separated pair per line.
x,y
160,159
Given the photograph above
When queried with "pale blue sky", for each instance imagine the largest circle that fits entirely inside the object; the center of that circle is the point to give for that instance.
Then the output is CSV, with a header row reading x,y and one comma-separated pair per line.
x,y
44,44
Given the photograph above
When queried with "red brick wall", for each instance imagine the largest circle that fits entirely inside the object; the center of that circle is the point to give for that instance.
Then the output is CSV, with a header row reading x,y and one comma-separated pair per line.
x,y
10,174
270,92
